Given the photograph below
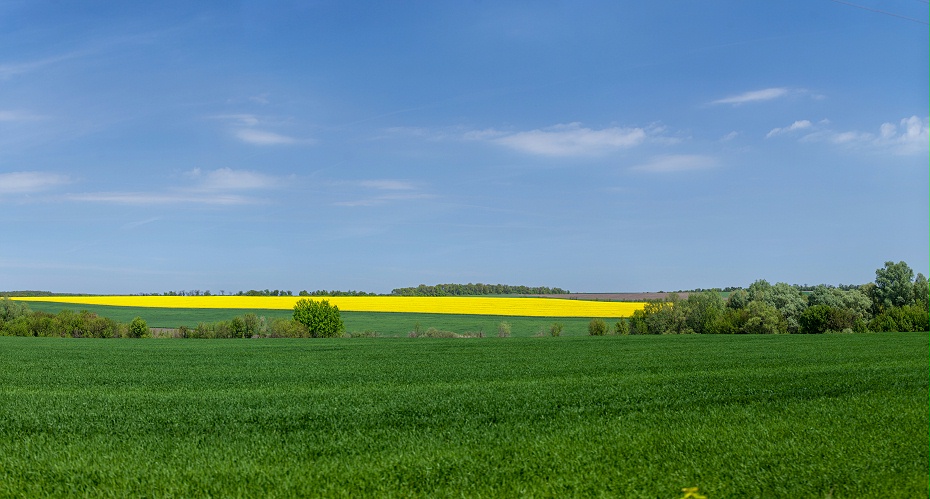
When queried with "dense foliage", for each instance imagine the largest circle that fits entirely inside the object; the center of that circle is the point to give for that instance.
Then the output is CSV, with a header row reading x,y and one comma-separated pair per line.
x,y
841,416
476,290
896,301
321,319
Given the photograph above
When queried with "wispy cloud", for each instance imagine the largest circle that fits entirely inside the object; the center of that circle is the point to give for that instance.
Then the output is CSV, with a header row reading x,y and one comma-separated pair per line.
x,y
388,185
573,140
754,96
676,163
171,198
383,191
223,186
253,129
264,138
224,179
908,136
18,116
797,125
29,182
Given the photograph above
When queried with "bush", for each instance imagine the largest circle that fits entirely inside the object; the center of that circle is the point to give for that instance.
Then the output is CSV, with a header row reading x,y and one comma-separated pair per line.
x,y
597,327
622,327
503,330
555,329
321,318
288,328
138,328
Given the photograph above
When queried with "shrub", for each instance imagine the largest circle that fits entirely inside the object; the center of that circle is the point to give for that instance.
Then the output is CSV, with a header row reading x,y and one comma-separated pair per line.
x,y
555,329
288,328
138,328
622,327
597,327
321,318
503,330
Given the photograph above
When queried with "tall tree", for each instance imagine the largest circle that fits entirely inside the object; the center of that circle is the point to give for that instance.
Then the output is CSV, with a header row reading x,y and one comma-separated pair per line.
x,y
893,286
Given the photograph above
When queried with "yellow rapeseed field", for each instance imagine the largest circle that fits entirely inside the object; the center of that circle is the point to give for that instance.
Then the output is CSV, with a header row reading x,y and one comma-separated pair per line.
x,y
474,305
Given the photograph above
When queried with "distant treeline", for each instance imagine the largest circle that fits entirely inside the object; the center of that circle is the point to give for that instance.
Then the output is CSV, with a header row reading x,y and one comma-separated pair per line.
x,y
476,289
807,288
896,301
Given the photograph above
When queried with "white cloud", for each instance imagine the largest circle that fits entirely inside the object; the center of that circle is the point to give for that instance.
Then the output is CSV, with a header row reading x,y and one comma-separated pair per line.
x,y
253,129
148,198
229,179
388,185
263,138
910,136
730,136
10,116
28,182
797,125
570,140
222,186
907,137
754,96
676,163
389,191
384,199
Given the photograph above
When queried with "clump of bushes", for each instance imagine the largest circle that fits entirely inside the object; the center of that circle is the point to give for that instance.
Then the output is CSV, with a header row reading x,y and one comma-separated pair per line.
x,y
597,327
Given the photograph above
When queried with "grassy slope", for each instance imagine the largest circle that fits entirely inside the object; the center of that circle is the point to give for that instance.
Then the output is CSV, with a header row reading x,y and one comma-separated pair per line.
x,y
386,324
744,416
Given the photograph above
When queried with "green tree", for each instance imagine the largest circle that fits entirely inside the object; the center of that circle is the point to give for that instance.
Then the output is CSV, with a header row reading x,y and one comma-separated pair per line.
x,y
703,311
893,286
11,309
622,327
597,327
921,292
738,299
764,319
758,290
138,328
322,319
789,301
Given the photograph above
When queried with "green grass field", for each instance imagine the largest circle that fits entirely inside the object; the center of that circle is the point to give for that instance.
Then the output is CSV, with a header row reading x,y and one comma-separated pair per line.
x,y
736,416
384,323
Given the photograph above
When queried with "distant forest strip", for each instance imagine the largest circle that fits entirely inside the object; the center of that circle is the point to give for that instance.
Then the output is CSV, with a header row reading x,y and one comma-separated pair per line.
x,y
477,289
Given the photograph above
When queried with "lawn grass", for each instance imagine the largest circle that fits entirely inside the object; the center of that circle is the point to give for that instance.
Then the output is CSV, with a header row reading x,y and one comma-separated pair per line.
x,y
736,416
383,323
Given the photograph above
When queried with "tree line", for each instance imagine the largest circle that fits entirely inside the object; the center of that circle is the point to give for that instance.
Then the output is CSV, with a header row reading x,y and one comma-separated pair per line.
x,y
476,289
896,301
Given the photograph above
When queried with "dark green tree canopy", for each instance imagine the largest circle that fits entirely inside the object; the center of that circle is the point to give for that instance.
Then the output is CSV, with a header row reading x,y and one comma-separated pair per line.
x,y
893,286
322,319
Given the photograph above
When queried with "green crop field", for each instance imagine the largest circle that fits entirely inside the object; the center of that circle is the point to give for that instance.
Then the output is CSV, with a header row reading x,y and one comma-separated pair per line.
x,y
383,323
638,416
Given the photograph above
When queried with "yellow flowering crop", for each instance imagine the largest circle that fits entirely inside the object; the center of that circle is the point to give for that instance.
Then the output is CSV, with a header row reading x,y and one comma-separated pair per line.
x,y
472,305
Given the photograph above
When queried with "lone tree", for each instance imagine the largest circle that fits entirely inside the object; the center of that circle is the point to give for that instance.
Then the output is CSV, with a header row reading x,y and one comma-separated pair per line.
x,y
321,318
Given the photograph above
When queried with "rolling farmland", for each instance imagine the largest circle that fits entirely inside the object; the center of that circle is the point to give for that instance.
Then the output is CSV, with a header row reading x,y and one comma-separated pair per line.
x,y
496,306
638,416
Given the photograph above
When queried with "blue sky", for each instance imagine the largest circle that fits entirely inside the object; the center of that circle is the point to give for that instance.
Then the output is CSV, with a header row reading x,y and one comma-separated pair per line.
x,y
594,146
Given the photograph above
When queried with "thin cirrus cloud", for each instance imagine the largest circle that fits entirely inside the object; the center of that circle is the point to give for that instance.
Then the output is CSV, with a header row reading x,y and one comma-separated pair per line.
x,y
29,182
385,191
564,140
908,136
676,163
264,138
252,129
754,96
797,125
223,186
